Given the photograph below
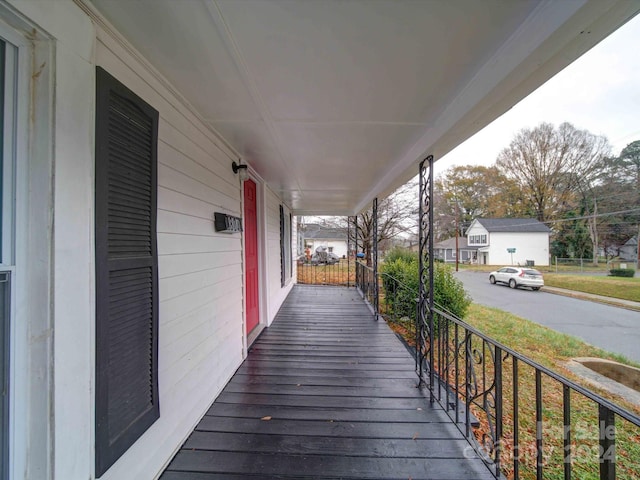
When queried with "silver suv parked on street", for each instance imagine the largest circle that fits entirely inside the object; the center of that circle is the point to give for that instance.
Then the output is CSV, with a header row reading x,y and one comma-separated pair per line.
x,y
518,277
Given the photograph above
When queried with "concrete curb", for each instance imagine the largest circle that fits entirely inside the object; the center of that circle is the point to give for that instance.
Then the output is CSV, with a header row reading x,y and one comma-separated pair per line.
x,y
614,302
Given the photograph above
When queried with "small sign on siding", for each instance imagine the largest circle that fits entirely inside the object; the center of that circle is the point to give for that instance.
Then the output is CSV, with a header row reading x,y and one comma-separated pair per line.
x,y
224,223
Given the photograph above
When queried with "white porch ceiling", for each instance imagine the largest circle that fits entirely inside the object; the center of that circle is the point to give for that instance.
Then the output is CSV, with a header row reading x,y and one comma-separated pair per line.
x,y
335,102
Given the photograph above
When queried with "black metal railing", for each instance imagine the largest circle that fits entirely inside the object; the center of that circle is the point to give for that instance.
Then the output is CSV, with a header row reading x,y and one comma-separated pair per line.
x,y
338,273
366,284
398,306
524,419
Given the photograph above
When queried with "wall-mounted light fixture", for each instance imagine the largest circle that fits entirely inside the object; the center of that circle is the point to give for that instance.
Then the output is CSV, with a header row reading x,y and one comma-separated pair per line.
x,y
240,169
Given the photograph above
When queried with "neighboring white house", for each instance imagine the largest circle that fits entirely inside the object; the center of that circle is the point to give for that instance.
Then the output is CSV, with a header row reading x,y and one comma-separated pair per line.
x,y
333,239
509,241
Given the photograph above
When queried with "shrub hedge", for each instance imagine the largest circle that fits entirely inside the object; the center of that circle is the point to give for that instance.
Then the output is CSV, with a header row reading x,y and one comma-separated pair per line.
x,y
400,280
398,253
622,272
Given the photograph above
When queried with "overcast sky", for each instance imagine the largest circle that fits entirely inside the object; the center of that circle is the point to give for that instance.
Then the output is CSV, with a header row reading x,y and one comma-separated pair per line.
x,y
599,92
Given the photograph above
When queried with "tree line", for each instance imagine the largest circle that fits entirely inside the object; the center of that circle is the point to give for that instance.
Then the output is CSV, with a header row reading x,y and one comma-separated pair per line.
x,y
564,176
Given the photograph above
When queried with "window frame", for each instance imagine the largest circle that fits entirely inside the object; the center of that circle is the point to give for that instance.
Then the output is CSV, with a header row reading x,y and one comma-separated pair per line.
x,y
286,251
477,239
8,177
29,260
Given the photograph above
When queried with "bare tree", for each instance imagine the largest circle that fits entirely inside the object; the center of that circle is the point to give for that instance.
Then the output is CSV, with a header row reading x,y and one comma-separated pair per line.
x,y
397,214
471,191
550,165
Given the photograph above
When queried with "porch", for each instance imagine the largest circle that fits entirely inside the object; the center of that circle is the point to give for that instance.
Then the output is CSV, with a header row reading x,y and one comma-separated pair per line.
x,y
326,392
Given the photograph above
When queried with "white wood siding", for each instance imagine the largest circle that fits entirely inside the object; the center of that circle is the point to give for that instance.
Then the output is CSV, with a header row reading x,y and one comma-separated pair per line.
x,y
276,294
529,246
200,271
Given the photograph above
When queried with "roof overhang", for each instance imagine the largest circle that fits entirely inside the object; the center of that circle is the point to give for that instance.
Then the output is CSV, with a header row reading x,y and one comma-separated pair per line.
x,y
334,103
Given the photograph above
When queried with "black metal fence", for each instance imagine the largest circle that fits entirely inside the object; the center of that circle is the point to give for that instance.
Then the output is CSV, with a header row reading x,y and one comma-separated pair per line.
x,y
525,420
342,273
366,283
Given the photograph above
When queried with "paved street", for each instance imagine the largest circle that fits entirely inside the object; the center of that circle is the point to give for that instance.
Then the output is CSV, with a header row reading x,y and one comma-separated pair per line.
x,y
610,328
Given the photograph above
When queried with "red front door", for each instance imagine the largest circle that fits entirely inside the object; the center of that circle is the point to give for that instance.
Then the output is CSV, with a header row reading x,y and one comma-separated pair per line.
x,y
251,255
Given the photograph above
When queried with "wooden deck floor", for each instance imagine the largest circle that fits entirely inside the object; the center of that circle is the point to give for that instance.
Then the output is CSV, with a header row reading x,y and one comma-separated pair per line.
x,y
326,392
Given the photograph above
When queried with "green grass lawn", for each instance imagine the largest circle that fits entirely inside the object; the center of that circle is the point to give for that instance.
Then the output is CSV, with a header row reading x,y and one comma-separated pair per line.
x,y
614,287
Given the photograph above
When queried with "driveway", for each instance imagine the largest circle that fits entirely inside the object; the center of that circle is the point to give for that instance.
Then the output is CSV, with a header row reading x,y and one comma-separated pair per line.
x,y
610,328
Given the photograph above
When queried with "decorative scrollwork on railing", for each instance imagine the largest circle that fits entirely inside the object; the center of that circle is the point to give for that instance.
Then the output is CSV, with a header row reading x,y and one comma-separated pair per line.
x,y
482,389
374,255
424,318
480,386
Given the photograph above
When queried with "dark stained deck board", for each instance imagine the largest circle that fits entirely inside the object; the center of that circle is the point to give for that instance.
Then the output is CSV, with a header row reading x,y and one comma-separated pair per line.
x,y
266,465
314,360
337,381
378,429
318,351
343,373
329,445
328,366
326,413
325,393
317,401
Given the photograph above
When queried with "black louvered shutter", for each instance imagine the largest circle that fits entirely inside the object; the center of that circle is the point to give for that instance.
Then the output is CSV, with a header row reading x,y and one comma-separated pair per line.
x,y
283,275
290,241
126,269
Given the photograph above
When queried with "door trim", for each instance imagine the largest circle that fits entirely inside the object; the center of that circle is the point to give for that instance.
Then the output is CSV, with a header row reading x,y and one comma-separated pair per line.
x,y
250,337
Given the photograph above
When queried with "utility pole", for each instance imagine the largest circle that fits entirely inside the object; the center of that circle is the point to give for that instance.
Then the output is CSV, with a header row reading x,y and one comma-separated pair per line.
x,y
638,249
457,233
592,222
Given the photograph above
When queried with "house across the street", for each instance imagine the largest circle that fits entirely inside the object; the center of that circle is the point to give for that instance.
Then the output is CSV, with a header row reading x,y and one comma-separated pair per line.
x,y
333,239
509,241
446,251
629,251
